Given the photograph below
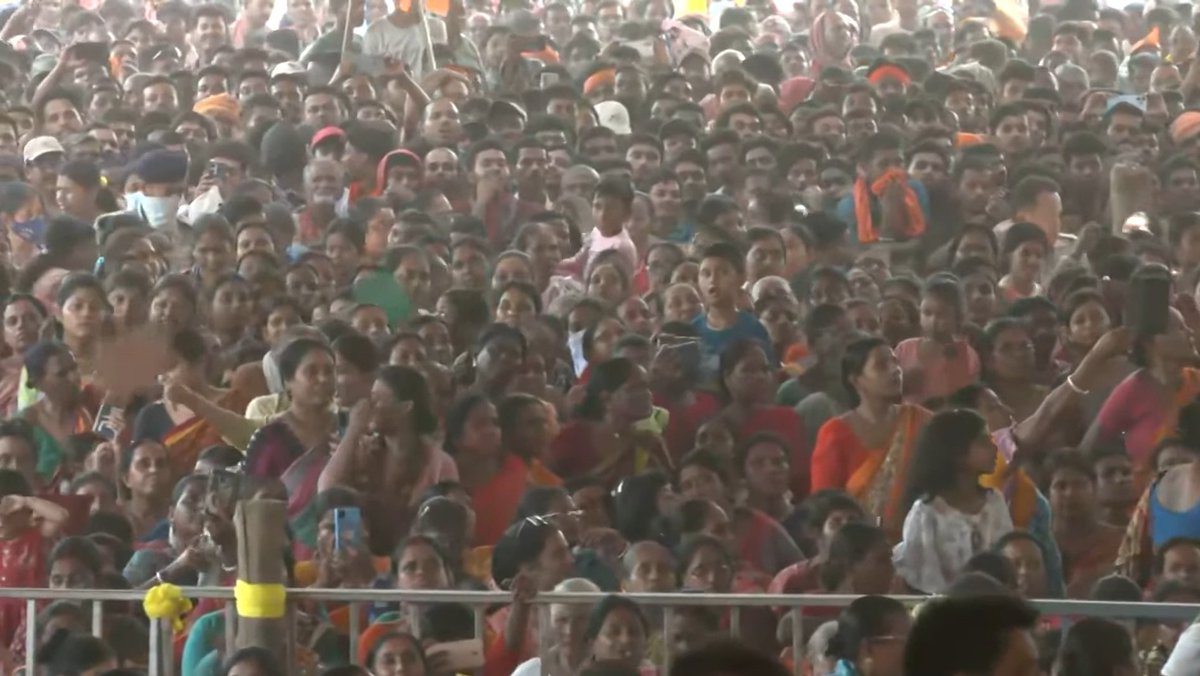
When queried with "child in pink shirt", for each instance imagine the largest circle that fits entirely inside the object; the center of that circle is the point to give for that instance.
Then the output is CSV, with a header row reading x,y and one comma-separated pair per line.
x,y
940,361
611,208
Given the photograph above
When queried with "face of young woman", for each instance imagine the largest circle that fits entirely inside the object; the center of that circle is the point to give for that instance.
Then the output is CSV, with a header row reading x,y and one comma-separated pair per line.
x,y
1088,323
420,567
397,657
130,307
60,382
766,469
632,400
171,308
83,314
481,431
555,563
314,381
749,382
1012,356
708,571
698,482
881,376
149,474
231,307
22,322
622,639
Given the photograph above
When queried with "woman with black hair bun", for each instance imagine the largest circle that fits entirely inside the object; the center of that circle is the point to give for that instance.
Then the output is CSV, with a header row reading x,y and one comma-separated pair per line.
x,y
67,653
870,637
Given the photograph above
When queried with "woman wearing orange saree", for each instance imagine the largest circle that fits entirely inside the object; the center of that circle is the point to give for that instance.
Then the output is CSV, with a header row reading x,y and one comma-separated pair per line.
x,y
528,425
866,451
493,477
184,433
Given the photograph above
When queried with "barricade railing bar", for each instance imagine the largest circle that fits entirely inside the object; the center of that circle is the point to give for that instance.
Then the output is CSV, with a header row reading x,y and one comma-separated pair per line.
x,y
162,657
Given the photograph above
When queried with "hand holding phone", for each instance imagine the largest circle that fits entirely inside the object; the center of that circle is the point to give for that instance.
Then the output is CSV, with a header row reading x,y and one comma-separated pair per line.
x,y
347,529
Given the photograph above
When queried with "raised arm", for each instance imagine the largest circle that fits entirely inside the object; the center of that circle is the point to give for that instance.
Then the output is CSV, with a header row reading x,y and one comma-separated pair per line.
x,y
1034,430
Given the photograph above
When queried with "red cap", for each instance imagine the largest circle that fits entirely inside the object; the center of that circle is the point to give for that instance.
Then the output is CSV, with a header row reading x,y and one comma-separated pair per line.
x,y
325,134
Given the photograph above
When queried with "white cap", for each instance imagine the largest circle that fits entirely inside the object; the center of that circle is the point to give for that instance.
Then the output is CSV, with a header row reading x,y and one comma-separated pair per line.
x,y
288,68
41,145
612,114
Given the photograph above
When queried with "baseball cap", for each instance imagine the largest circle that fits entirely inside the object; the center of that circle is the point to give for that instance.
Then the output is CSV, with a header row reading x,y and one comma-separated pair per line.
x,y
613,115
39,146
326,134
289,68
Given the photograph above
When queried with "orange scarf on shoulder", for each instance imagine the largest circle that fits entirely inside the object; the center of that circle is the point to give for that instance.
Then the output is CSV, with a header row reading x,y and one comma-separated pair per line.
x,y
915,221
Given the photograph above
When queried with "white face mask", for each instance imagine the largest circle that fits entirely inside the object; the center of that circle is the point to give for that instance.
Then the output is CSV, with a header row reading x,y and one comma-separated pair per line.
x,y
159,212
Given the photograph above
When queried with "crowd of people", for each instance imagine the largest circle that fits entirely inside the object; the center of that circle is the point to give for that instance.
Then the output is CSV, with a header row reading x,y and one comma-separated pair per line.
x,y
866,299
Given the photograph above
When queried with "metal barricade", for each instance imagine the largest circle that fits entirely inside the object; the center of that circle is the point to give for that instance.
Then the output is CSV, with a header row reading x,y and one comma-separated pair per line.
x,y
162,656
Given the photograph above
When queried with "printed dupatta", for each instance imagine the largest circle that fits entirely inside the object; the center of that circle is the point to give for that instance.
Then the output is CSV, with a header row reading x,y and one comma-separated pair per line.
x,y
880,481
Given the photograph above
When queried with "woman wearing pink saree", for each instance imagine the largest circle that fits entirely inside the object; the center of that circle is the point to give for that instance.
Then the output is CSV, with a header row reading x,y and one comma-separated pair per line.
x,y
390,454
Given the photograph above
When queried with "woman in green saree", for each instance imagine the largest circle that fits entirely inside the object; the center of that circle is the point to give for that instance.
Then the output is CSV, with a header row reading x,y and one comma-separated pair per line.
x,y
61,410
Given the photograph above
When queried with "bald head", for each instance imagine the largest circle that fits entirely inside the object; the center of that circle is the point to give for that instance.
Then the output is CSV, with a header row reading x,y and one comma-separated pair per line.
x,y
580,181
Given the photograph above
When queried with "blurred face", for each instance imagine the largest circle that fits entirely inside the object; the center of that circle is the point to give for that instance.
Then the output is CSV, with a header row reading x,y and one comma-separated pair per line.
x,y
708,571
622,639
1026,558
149,474
653,570
1182,563
420,567
882,376
766,469
59,117
398,656
22,322
1114,481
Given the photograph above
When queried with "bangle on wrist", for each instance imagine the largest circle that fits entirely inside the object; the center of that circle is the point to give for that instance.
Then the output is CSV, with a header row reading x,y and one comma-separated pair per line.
x,y
1075,388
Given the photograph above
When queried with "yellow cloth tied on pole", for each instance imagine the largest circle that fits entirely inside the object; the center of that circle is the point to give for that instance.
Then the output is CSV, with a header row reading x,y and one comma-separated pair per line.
x,y
167,602
260,601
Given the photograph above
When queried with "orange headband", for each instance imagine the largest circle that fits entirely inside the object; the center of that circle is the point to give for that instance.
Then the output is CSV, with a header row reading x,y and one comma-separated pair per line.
x,y
884,72
608,76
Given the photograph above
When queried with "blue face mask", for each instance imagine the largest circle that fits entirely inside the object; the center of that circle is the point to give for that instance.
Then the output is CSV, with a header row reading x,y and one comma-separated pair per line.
x,y
32,230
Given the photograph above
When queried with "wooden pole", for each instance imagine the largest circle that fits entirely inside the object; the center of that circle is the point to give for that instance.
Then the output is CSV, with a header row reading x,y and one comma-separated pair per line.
x,y
261,536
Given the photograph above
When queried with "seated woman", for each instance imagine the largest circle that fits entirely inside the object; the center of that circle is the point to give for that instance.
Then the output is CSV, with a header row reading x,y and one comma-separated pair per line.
x,y
619,634
674,374
490,474
296,446
762,462
748,383
528,425
389,453
531,557
177,427
1088,545
704,563
177,552
146,473
1024,552
950,517
761,541
867,451
608,440
870,637
828,511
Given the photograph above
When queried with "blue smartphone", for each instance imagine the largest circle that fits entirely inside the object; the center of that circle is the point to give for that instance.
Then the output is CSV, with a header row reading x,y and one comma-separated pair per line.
x,y
347,528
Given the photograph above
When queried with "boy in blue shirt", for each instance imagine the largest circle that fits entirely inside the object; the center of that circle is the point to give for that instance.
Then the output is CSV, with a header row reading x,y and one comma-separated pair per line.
x,y
722,275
